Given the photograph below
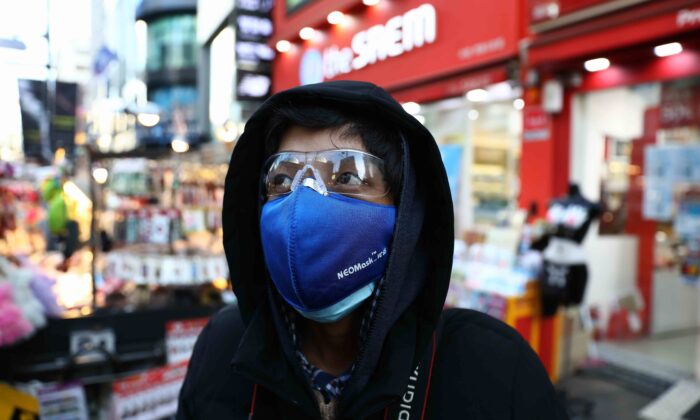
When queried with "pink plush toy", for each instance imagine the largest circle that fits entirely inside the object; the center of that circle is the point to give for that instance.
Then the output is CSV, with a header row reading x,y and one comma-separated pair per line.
x,y
13,325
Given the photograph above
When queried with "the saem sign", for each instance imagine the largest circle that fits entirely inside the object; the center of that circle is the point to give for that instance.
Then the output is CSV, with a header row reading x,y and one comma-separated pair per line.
x,y
399,42
397,36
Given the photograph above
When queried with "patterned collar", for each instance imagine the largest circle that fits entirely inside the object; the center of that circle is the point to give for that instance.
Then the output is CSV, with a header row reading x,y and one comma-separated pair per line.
x,y
330,386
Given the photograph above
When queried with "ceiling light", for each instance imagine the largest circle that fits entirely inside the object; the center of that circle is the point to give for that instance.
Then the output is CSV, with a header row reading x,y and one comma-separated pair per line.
x,y
335,17
180,145
597,64
420,118
147,119
411,107
477,95
518,104
668,49
283,46
306,33
100,175
370,2
473,114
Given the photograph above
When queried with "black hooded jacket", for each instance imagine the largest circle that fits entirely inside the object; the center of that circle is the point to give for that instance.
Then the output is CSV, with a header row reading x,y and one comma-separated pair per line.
x,y
471,366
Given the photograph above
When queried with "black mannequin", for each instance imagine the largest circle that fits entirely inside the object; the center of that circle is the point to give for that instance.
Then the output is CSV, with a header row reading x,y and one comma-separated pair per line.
x,y
565,273
571,216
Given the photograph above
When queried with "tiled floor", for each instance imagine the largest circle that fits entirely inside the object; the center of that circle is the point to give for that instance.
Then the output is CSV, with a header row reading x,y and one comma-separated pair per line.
x,y
670,357
679,351
610,398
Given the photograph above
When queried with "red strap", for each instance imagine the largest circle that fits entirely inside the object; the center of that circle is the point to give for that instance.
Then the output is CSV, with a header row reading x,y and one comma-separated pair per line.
x,y
252,403
430,375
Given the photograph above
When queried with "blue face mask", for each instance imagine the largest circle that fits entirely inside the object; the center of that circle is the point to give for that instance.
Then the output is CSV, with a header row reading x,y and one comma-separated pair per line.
x,y
324,253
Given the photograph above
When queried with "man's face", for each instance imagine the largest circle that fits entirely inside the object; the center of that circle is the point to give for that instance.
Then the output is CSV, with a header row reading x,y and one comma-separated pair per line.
x,y
301,139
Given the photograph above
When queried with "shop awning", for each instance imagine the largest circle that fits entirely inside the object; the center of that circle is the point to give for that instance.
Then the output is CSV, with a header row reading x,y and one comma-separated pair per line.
x,y
637,25
453,86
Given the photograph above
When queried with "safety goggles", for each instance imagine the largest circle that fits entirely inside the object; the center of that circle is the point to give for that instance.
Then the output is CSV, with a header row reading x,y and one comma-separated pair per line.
x,y
342,171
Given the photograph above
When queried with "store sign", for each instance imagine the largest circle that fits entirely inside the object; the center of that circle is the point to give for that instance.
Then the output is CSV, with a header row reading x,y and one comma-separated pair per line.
x,y
253,27
252,86
258,6
254,51
536,124
403,42
400,34
253,54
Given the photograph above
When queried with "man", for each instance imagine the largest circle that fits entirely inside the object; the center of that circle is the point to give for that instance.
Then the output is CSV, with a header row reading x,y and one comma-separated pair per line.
x,y
338,229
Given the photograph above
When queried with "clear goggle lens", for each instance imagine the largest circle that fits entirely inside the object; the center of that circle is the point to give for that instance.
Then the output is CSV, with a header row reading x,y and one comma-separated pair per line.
x,y
347,172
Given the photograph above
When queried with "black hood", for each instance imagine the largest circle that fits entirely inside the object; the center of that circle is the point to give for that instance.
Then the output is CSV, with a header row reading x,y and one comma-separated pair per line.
x,y
420,259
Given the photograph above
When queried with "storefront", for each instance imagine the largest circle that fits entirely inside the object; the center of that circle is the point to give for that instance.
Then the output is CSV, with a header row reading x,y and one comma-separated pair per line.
x,y
617,86
454,69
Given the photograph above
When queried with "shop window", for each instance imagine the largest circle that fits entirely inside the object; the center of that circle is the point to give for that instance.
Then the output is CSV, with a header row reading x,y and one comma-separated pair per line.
x,y
480,143
171,43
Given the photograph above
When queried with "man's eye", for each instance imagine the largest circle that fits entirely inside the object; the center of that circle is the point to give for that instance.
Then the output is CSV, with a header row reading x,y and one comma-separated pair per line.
x,y
282,181
348,178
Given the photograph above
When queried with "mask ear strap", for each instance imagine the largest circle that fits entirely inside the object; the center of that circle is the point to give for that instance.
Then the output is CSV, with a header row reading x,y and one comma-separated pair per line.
x,y
315,183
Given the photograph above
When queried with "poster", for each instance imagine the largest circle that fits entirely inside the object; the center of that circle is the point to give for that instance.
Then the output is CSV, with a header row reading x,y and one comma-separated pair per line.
x,y
452,159
537,124
690,164
152,394
664,163
15,404
180,337
658,200
63,402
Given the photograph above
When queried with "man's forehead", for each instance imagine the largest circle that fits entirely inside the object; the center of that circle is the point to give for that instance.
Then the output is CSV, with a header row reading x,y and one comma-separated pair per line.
x,y
304,139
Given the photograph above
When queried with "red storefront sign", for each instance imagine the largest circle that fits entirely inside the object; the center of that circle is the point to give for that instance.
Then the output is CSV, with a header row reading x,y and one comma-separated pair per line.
x,y
537,125
397,44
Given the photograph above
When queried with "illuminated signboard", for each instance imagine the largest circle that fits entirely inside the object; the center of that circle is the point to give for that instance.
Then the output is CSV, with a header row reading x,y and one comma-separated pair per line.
x,y
256,6
253,54
398,35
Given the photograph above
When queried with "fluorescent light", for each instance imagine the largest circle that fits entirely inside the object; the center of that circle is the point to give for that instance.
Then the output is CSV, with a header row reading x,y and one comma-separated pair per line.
x,y
370,2
75,193
100,175
283,46
473,114
306,33
597,64
147,119
477,95
179,145
411,107
518,104
335,17
668,49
